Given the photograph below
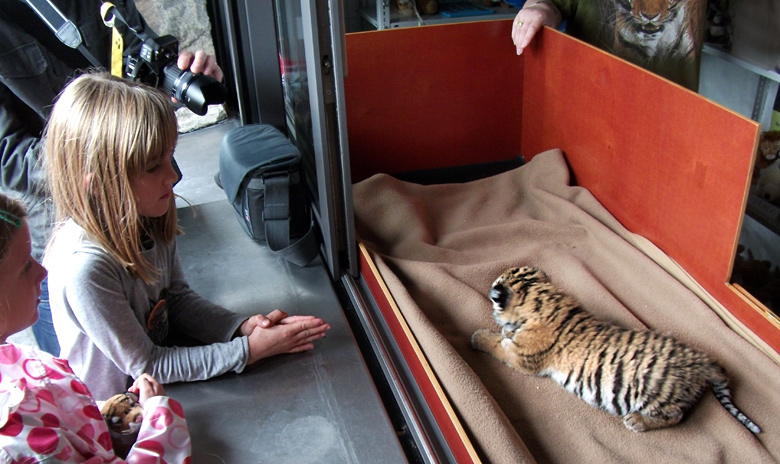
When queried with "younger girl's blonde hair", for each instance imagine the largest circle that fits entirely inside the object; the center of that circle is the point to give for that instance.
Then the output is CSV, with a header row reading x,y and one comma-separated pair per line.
x,y
103,130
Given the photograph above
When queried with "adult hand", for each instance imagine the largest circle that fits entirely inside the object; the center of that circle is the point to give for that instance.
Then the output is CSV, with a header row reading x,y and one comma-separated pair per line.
x,y
145,387
292,334
530,19
200,62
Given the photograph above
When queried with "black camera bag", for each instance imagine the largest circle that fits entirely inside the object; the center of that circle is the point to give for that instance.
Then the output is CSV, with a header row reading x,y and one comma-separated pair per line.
x,y
260,174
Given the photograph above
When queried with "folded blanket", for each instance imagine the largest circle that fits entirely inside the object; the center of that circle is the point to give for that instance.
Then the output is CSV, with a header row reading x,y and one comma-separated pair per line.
x,y
439,248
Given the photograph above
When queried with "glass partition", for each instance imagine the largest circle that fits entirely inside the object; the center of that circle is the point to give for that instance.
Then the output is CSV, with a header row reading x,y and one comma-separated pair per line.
x,y
311,57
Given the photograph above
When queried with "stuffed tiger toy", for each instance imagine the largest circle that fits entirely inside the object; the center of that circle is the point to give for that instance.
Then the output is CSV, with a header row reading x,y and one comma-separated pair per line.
x,y
649,379
123,415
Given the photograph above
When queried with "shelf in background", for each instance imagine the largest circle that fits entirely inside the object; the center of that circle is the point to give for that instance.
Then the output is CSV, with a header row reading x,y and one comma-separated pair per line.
x,y
764,212
762,65
385,17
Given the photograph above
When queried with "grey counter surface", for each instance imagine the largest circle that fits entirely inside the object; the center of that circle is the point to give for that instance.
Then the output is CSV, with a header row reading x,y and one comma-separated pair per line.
x,y
315,407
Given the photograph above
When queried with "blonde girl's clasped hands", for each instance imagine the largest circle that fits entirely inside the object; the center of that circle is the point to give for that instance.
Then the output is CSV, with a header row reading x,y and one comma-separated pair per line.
x,y
279,333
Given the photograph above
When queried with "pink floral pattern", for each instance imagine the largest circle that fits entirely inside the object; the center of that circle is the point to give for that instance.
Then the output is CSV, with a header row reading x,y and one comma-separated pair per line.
x,y
47,412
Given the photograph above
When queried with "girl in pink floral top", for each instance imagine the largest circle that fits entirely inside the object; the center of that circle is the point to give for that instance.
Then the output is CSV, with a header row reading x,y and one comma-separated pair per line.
x,y
46,412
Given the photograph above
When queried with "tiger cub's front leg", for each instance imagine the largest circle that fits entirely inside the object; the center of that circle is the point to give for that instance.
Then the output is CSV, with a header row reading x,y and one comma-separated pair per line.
x,y
489,342
505,350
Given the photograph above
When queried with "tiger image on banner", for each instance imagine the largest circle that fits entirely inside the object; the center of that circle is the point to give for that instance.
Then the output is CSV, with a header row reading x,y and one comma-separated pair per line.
x,y
657,30
663,36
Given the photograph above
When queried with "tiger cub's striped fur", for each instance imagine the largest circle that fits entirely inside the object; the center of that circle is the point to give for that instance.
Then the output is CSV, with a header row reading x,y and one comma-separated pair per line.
x,y
649,379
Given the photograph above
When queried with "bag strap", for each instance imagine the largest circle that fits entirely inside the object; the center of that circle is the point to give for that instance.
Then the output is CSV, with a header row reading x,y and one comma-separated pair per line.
x,y
276,210
302,251
63,28
276,220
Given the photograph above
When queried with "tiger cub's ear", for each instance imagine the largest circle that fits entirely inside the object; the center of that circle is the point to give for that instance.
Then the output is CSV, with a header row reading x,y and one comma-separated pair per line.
x,y
499,294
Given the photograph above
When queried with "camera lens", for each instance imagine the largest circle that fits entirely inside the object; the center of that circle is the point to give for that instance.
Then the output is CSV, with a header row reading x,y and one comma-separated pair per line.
x,y
196,91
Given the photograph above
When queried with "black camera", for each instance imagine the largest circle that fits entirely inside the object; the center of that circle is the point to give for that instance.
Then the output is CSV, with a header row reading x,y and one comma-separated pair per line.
x,y
155,65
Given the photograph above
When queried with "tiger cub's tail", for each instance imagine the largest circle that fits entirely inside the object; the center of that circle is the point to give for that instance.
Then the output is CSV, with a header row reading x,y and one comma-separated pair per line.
x,y
723,394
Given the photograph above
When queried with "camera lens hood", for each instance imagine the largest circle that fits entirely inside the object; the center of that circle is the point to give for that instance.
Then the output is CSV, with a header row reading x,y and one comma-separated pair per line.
x,y
196,91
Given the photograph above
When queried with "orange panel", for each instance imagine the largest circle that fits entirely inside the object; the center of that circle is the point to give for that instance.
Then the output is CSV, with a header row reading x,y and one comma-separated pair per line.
x,y
669,164
748,311
434,96
449,425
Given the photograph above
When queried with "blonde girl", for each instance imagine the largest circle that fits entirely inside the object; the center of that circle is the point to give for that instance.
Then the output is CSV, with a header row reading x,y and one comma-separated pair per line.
x,y
115,279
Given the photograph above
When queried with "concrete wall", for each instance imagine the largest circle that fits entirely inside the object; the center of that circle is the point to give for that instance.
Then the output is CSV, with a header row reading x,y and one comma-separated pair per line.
x,y
187,20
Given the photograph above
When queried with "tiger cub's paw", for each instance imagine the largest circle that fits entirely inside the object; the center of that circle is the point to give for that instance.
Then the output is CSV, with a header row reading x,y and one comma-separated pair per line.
x,y
485,340
638,423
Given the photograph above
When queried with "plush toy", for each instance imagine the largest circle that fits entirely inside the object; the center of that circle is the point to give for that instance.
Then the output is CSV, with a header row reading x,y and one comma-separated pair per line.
x,y
404,7
768,151
123,415
427,7
424,7
768,186
718,21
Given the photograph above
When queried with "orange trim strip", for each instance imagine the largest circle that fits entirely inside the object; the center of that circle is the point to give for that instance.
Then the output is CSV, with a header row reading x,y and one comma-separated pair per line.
x,y
451,428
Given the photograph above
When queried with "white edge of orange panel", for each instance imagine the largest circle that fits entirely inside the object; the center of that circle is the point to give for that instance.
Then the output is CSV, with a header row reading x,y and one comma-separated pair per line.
x,y
421,356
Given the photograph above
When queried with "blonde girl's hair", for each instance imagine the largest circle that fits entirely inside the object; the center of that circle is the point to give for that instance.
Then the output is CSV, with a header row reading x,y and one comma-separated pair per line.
x,y
11,214
102,131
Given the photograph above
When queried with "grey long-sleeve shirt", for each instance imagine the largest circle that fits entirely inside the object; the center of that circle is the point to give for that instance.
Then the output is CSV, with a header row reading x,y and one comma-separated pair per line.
x,y
100,314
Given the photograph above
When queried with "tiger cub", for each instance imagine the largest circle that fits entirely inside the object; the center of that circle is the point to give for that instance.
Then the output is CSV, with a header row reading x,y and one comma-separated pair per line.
x,y
649,379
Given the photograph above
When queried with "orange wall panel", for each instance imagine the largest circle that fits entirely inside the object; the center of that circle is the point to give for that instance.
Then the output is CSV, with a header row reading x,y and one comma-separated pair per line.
x,y
434,96
667,163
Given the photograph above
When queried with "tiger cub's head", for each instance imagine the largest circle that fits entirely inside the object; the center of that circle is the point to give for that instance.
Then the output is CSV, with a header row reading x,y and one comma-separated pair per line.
x,y
123,413
516,296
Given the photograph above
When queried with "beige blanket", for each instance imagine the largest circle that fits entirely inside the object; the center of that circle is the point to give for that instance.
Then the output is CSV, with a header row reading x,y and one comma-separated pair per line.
x,y
439,248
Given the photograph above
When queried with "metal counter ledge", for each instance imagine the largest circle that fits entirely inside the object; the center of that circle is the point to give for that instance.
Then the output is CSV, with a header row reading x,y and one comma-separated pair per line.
x,y
315,407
